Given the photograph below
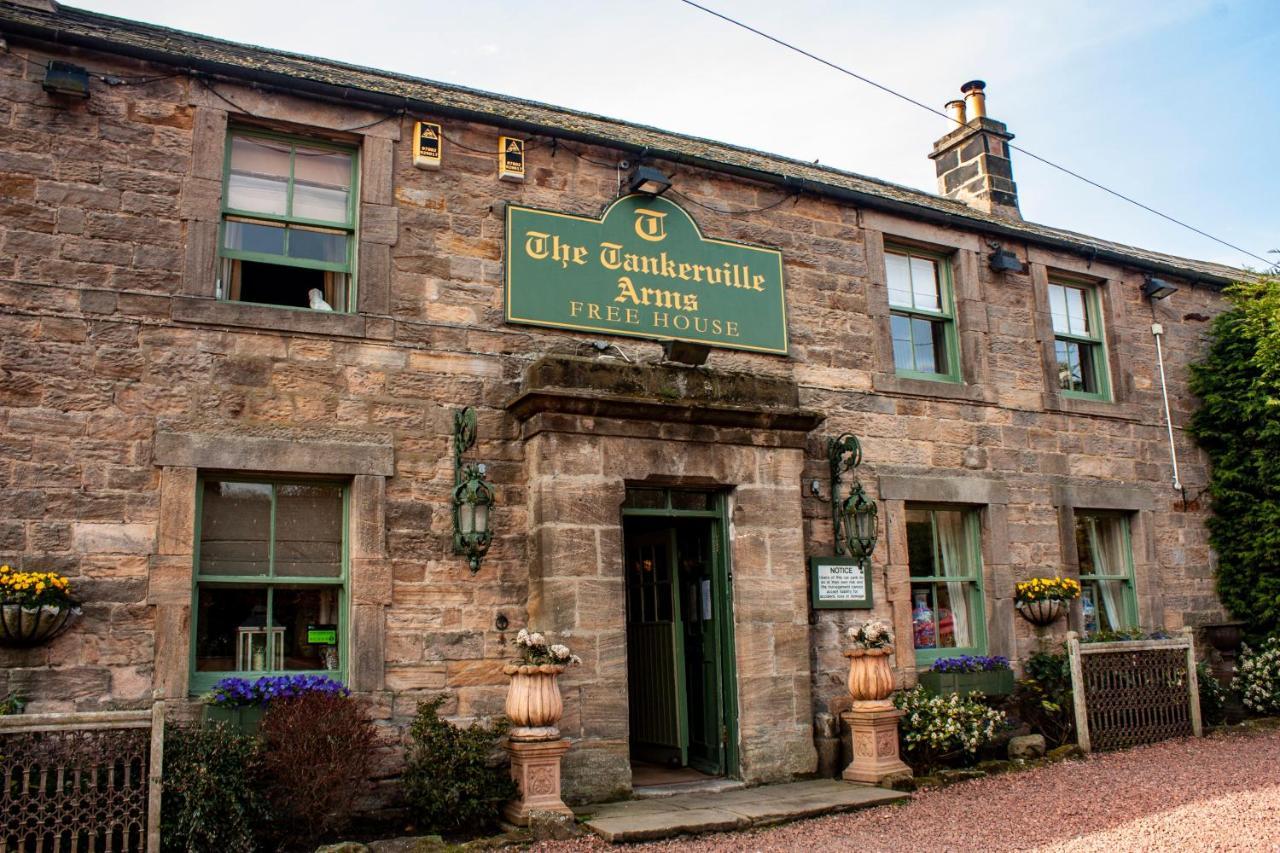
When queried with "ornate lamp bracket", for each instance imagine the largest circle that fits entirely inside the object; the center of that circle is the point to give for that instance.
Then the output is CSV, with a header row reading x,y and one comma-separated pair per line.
x,y
473,495
854,518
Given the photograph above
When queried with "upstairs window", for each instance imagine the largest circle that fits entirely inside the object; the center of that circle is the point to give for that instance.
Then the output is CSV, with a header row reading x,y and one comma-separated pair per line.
x,y
288,222
1077,340
921,315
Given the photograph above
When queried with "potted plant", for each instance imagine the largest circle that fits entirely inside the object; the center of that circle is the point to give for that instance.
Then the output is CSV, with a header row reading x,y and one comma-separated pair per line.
x,y
870,677
35,607
991,676
240,703
534,705
1040,600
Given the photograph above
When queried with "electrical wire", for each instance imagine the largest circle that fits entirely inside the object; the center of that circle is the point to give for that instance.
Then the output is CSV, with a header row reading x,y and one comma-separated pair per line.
x,y
244,111
924,106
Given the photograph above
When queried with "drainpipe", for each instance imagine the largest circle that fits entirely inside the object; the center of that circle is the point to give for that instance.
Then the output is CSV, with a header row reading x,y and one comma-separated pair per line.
x,y
1157,331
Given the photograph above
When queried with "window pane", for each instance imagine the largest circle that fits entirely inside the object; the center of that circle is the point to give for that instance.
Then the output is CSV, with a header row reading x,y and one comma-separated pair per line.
x,y
920,543
953,615
321,185
1077,318
693,500
255,237
1068,354
646,499
226,619
308,531
317,246
901,330
939,331
924,624
897,270
235,528
259,178
301,611
1087,369
924,284
922,343
1058,308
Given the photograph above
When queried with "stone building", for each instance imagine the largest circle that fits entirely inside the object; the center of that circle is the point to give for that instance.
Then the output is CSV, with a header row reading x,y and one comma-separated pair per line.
x,y
204,451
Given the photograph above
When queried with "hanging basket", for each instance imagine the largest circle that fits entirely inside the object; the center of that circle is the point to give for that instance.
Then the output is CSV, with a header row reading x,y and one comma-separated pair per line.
x,y
870,677
1043,613
23,626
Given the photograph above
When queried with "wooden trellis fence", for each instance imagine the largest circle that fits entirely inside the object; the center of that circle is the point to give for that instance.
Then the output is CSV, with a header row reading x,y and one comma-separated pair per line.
x,y
81,783
1134,692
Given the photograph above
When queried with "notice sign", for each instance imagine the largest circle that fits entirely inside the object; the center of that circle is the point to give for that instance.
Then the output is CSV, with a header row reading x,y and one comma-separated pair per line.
x,y
839,583
644,270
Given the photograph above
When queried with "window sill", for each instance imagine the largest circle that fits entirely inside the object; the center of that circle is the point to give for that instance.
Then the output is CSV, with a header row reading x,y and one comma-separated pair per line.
x,y
1085,406
943,388
217,312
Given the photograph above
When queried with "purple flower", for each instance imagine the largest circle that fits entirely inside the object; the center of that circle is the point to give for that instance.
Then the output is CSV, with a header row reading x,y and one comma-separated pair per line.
x,y
239,692
971,663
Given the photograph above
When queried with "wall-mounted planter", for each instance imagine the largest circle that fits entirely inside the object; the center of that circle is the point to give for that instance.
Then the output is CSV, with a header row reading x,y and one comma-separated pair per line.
x,y
24,626
244,719
996,682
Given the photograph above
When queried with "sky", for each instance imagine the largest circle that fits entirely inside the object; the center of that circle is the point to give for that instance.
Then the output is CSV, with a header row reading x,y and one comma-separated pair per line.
x,y
1171,102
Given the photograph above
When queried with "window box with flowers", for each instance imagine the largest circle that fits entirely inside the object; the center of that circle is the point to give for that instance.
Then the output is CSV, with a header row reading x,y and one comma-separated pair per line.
x,y
240,703
35,607
990,676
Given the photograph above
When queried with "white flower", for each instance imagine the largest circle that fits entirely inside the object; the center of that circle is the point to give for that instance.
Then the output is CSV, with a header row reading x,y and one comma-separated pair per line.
x,y
523,637
537,639
560,652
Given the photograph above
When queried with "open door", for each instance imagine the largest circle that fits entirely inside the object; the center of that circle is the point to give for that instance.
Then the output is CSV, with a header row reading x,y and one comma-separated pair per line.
x,y
702,649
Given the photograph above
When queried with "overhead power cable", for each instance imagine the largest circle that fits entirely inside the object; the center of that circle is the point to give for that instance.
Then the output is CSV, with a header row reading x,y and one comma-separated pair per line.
x,y
787,45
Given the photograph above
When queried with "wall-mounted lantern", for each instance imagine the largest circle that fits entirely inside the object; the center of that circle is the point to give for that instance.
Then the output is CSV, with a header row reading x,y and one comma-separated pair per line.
x,y
853,519
648,181
473,496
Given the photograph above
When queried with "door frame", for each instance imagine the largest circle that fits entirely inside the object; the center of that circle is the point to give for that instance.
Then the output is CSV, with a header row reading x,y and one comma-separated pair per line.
x,y
722,600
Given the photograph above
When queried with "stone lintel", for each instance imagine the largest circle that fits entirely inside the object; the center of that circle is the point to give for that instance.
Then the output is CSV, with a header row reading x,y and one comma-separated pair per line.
x,y
1105,496
660,392
959,490
284,455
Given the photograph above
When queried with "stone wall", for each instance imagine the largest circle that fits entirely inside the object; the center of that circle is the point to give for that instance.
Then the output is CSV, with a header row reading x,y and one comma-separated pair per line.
x,y
110,337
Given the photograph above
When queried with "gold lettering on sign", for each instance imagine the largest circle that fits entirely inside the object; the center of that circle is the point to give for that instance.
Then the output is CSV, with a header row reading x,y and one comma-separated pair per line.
x,y
649,224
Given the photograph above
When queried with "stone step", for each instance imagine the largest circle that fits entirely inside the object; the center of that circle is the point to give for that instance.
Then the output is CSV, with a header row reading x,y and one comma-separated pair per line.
x,y
689,814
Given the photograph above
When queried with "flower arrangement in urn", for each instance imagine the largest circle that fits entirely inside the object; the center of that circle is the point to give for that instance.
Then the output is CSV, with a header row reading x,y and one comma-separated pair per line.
x,y
1040,600
35,607
533,699
870,678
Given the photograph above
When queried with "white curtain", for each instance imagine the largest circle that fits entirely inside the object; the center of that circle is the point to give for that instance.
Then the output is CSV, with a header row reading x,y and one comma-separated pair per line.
x,y
1106,540
955,563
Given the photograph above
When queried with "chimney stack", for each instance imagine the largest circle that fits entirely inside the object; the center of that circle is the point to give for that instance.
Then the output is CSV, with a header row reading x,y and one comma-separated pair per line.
x,y
973,159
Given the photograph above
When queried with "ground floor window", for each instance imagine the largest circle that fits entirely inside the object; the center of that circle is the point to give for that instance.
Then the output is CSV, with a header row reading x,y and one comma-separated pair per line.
x,y
1107,598
945,557
270,576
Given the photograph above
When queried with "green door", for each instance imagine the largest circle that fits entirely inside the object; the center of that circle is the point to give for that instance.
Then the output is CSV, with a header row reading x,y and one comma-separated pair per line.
x,y
680,664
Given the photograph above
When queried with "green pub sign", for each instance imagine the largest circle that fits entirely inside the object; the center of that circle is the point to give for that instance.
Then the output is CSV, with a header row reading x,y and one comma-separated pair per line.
x,y
643,269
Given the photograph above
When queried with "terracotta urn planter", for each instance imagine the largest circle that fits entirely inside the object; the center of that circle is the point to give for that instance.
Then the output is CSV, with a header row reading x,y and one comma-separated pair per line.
x,y
534,705
1041,613
23,626
870,677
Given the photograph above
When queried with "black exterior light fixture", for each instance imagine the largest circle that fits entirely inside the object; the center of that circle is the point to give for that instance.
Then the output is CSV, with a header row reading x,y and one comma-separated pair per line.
x,y
473,496
1158,288
647,180
65,78
853,519
1002,260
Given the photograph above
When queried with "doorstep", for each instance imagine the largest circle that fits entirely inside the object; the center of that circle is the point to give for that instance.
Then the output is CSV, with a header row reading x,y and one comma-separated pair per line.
x,y
647,819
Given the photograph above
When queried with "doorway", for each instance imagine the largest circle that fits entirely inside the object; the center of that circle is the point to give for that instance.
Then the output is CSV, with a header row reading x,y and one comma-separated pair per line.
x,y
680,664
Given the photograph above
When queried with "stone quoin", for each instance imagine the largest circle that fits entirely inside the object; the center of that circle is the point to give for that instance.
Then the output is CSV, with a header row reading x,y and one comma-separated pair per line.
x,y
174,411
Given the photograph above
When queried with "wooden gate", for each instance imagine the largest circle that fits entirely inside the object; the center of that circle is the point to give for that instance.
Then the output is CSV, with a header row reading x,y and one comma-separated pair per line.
x,y
81,783
1134,692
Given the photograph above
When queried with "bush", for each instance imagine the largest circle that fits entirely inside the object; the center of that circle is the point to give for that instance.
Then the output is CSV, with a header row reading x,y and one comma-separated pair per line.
x,y
1257,678
1213,698
212,783
1043,698
937,729
452,781
317,756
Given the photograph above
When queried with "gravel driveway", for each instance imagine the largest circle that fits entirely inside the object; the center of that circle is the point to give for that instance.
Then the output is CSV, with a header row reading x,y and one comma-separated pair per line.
x,y
1217,793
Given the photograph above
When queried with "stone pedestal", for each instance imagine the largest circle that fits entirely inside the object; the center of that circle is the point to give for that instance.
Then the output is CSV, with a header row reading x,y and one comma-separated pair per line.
x,y
535,765
874,731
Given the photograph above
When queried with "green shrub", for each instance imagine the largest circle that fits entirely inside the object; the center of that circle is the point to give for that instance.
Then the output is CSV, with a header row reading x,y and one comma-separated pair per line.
x,y
1213,697
452,781
1257,678
1043,698
212,791
12,704
937,729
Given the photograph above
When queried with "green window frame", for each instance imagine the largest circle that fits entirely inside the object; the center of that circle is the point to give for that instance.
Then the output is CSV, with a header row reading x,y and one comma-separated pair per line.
x,y
316,239
922,314
930,549
1079,341
271,584
1104,553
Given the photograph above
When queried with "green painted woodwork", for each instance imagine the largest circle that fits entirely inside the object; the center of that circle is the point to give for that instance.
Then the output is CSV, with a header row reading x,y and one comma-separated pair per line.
x,y
1125,577
998,682
644,270
681,671
1091,340
972,582
944,316
201,682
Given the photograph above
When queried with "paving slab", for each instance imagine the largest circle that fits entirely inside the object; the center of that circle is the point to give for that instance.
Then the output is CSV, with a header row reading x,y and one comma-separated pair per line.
x,y
688,814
